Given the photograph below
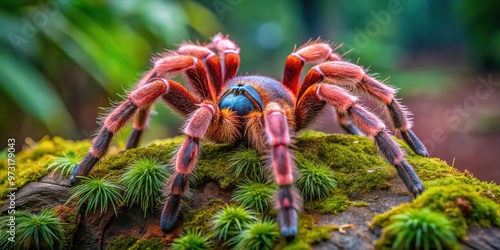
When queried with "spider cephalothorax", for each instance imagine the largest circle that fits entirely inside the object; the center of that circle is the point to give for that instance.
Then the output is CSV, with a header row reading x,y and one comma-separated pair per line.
x,y
260,111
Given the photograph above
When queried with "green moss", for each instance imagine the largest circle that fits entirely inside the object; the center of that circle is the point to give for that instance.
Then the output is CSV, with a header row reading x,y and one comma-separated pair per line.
x,y
69,224
114,162
357,166
334,204
415,229
31,163
359,204
308,234
462,205
485,189
199,220
147,244
214,165
121,243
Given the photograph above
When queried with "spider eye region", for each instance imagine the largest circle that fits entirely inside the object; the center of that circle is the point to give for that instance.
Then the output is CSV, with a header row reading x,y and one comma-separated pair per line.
x,y
241,98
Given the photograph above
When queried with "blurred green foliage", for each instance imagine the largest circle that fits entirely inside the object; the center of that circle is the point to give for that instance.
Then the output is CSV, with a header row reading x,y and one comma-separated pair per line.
x,y
60,60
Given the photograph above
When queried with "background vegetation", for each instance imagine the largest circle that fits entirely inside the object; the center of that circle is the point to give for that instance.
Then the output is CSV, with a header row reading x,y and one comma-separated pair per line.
x,y
62,60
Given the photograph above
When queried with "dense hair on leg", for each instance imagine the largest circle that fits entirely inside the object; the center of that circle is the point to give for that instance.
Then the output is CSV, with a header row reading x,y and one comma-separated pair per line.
x,y
185,161
366,121
282,163
353,76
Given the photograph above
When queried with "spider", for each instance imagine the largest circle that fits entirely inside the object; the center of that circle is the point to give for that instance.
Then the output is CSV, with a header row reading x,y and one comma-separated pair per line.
x,y
259,111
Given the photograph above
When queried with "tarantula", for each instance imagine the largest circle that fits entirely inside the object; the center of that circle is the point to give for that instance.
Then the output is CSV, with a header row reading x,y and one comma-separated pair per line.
x,y
259,111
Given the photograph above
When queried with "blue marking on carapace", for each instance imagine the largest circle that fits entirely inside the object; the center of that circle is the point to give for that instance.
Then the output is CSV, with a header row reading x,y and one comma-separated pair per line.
x,y
241,98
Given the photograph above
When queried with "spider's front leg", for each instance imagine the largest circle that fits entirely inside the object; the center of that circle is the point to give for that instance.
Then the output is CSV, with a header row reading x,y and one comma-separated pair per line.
x,y
146,93
278,139
185,162
139,98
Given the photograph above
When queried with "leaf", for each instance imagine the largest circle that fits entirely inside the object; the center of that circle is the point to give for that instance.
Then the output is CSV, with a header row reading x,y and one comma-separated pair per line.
x,y
33,93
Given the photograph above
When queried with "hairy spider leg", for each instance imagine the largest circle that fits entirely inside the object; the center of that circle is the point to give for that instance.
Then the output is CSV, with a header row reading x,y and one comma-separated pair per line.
x,y
319,94
137,99
351,75
209,59
230,54
347,124
140,99
313,52
185,162
283,165
212,64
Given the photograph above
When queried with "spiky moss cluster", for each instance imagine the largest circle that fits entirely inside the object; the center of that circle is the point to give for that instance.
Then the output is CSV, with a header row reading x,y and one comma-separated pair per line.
x,y
133,243
192,240
240,228
316,180
143,182
97,192
247,163
32,162
461,205
261,235
255,195
35,231
64,164
69,223
231,220
212,163
418,229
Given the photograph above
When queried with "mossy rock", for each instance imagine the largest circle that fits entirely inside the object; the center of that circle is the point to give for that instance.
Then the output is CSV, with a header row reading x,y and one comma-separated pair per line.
x,y
363,178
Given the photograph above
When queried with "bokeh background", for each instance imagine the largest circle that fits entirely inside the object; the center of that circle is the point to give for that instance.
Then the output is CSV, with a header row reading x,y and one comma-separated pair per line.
x,y
62,60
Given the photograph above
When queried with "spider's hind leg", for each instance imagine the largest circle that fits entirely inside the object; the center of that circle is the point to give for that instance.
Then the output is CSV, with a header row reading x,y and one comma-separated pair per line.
x,y
347,124
367,122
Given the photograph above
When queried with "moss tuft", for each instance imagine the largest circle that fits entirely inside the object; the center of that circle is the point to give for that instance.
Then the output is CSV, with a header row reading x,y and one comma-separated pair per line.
x,y
418,229
334,204
255,195
316,181
462,205
247,163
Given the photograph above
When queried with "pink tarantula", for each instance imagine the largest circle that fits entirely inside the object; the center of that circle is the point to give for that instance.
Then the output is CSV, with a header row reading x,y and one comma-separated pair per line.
x,y
260,111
